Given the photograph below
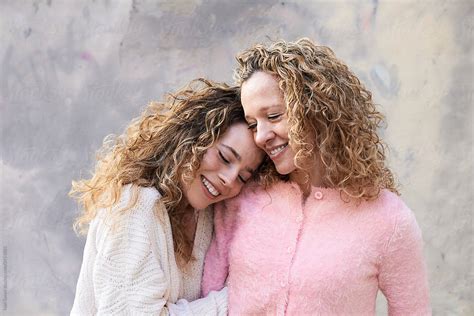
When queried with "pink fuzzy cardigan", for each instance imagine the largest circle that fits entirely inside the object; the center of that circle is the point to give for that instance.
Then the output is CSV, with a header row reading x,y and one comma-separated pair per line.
x,y
323,256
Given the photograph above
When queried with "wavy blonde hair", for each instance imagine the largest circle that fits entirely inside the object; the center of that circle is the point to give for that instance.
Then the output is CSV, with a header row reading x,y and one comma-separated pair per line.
x,y
327,102
160,147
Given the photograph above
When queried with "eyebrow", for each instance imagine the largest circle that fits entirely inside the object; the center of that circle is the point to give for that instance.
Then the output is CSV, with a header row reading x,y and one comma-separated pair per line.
x,y
236,154
265,108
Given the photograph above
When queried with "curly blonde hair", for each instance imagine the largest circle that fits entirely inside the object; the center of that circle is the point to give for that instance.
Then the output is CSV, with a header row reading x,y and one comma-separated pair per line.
x,y
327,102
160,147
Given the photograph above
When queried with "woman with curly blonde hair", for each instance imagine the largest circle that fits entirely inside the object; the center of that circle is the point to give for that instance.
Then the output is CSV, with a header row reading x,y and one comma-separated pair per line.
x,y
146,206
327,239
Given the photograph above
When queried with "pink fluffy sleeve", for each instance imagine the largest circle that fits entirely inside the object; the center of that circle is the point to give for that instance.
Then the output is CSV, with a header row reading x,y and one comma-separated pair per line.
x,y
216,263
402,274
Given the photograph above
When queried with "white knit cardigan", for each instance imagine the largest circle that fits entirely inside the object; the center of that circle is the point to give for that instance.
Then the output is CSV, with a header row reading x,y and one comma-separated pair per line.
x,y
130,269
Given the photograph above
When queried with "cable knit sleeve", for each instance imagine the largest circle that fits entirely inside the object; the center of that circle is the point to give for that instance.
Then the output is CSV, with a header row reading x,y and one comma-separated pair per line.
x,y
215,303
123,272
216,264
84,300
402,275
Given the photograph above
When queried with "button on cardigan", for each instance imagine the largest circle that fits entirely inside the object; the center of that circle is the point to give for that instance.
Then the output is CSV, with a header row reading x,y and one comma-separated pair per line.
x,y
130,268
322,256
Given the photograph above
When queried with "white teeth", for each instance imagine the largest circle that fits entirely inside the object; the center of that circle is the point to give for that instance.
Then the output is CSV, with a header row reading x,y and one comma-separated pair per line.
x,y
277,150
210,187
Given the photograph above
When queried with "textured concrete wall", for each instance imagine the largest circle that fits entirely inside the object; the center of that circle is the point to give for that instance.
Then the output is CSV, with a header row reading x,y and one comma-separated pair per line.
x,y
75,71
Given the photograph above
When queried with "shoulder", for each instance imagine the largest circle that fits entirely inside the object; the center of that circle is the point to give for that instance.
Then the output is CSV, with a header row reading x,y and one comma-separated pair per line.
x,y
145,195
256,195
133,198
135,208
252,201
131,226
393,214
392,206
274,189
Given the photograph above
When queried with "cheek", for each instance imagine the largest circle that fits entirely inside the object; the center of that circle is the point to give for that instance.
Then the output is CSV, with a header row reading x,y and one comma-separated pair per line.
x,y
235,190
283,129
210,160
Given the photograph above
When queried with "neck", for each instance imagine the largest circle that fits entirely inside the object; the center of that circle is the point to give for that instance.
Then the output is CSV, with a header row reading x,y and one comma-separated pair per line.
x,y
183,206
314,178
189,221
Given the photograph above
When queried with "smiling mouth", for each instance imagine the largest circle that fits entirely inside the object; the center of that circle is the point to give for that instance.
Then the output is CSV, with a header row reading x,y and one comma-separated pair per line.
x,y
210,188
275,151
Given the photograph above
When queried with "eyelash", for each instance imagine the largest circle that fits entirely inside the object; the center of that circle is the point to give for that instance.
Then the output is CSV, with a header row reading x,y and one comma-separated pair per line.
x,y
223,158
271,117
274,116
227,161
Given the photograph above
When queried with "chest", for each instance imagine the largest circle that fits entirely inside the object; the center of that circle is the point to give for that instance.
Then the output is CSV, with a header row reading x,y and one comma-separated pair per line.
x,y
302,249
198,229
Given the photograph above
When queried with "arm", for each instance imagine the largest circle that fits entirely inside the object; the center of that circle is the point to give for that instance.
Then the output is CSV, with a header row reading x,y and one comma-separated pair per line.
x,y
121,274
402,274
84,298
216,264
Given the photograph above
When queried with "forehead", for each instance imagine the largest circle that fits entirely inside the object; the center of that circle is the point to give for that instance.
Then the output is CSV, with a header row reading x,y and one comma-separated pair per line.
x,y
237,136
261,91
261,82
240,138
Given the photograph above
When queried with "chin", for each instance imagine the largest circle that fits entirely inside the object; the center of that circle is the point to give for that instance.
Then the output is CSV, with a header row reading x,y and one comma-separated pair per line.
x,y
198,205
285,169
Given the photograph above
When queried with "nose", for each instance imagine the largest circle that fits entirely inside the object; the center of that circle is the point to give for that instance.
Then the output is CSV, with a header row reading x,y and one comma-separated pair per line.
x,y
228,176
263,135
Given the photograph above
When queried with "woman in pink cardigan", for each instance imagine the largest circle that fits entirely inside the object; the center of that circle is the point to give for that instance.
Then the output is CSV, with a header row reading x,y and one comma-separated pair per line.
x,y
332,231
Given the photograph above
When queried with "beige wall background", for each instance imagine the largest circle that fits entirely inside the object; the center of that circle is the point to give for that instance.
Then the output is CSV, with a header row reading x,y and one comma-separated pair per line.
x,y
74,71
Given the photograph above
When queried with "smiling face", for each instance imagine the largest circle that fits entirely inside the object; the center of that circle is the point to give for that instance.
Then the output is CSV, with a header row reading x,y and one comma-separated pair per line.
x,y
225,168
265,112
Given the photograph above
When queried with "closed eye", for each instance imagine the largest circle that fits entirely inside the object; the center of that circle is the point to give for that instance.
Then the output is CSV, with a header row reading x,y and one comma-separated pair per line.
x,y
223,158
242,179
274,116
252,126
